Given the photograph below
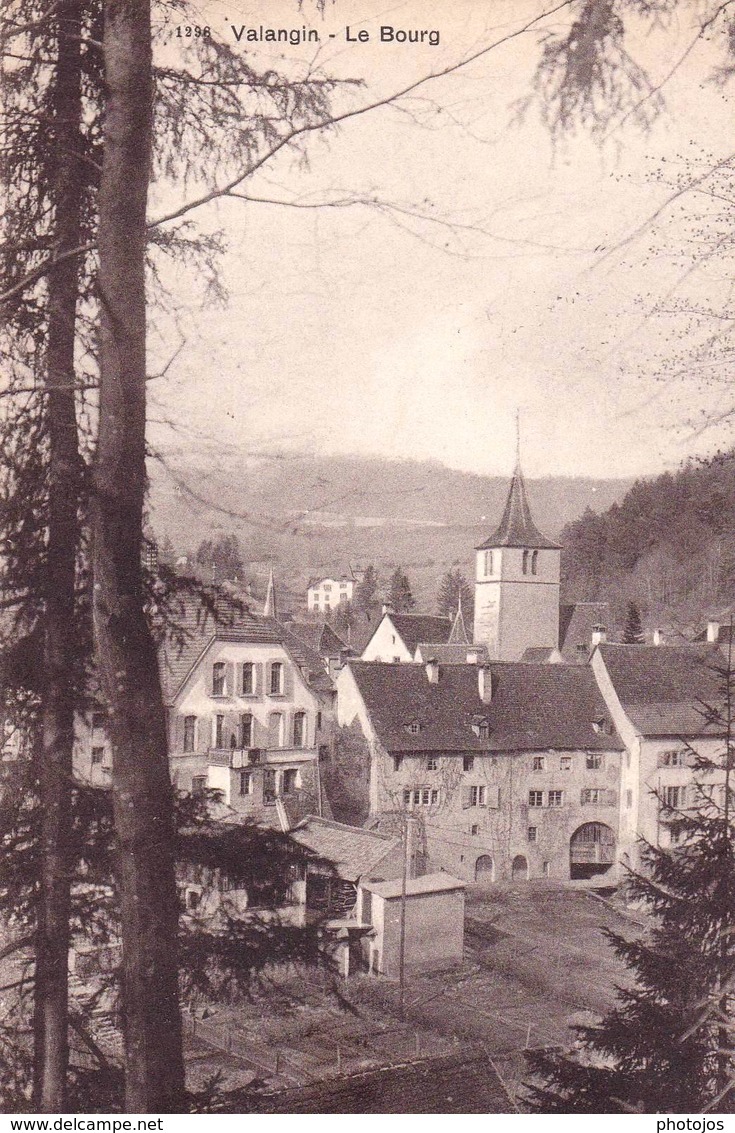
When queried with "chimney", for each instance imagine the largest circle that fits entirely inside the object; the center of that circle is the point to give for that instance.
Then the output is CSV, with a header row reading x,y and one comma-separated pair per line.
x,y
473,655
432,671
599,635
658,637
485,683
713,631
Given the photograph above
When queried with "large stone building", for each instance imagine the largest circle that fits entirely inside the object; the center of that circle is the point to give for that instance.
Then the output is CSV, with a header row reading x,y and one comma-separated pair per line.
x,y
509,770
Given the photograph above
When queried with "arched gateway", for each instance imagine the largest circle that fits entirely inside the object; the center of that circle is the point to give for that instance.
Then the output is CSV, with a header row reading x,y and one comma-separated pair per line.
x,y
484,869
591,851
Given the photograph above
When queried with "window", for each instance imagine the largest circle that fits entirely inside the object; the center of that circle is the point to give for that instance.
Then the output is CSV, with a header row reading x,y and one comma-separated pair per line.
x,y
193,899
481,728
421,796
246,730
525,561
629,798
468,762
597,796
535,798
432,763
98,754
488,563
594,760
546,869
318,719
299,729
474,829
246,782
532,833
190,731
413,729
556,798
534,562
290,780
269,786
673,797
327,586
397,762
477,796
218,678
248,678
99,719
198,784
672,759
276,681
275,730
219,731
539,763
565,763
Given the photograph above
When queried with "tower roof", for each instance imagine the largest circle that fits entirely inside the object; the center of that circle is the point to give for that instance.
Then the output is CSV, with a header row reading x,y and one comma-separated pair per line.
x,y
517,528
458,634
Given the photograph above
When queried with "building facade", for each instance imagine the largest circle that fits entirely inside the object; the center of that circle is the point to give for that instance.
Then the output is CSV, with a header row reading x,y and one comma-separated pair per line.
x,y
325,594
510,771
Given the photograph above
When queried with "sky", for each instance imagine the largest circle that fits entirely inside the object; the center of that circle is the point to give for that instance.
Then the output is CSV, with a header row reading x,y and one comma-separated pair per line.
x,y
530,289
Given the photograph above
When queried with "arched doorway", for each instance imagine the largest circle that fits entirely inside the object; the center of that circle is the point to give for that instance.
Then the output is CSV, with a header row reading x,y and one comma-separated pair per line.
x,y
591,851
484,869
519,868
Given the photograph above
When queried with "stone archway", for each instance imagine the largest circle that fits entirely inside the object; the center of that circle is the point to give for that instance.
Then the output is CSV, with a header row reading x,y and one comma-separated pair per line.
x,y
519,868
484,869
591,851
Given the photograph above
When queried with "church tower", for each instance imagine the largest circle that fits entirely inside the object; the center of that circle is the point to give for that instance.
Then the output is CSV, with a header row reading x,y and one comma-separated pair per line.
x,y
517,583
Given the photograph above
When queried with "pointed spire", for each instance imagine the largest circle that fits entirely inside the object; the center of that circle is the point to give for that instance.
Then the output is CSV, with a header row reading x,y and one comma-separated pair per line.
x,y
270,609
458,632
517,528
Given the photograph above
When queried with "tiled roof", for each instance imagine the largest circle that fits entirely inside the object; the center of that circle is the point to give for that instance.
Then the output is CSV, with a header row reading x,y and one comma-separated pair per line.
x,y
541,655
449,654
575,628
351,849
532,707
319,636
429,883
663,688
198,629
517,528
414,628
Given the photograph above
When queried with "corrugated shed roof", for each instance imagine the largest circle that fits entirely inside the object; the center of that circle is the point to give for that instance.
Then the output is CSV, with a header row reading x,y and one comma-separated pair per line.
x,y
352,850
517,528
532,707
414,628
415,886
663,688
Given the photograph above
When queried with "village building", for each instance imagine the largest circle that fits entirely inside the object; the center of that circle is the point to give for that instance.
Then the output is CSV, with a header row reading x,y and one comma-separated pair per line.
x,y
509,771
247,707
324,594
397,636
657,697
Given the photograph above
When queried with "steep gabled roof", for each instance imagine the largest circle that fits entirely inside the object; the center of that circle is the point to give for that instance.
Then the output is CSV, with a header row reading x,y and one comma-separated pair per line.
x,y
532,707
576,623
414,628
663,688
318,636
197,630
517,528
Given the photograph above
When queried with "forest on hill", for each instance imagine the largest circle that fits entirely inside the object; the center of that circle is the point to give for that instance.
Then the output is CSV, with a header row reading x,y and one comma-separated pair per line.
x,y
668,546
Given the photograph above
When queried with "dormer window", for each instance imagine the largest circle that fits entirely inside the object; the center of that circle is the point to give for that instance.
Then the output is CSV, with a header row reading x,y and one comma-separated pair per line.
x,y
601,726
481,727
413,728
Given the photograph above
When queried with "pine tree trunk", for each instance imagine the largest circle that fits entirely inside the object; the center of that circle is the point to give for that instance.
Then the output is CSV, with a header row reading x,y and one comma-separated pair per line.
x,y
51,1051
143,801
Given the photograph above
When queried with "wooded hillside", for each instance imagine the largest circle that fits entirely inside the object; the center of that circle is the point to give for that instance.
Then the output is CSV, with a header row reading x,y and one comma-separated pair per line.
x,y
669,546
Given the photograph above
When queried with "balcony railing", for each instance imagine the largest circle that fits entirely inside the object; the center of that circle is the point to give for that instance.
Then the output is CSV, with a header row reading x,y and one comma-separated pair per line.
x,y
253,757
